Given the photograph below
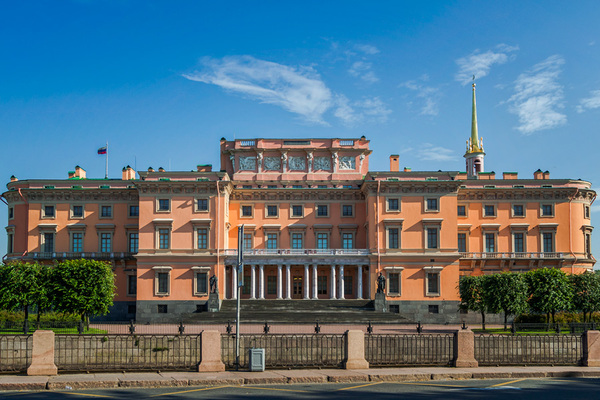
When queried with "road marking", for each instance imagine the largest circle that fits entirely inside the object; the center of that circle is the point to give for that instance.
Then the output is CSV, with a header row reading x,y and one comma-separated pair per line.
x,y
359,386
428,384
189,391
264,388
88,394
508,383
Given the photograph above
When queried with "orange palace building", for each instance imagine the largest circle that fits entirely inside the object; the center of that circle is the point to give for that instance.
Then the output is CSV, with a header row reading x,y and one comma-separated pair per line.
x,y
318,224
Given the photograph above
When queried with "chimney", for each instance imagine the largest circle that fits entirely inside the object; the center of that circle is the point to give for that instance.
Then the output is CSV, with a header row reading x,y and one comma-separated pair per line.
x,y
204,167
538,174
510,175
546,174
71,174
394,163
13,178
407,169
150,169
128,173
161,169
79,172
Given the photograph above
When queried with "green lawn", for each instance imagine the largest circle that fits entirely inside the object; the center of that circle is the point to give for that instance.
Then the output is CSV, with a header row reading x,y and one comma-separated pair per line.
x,y
501,331
66,331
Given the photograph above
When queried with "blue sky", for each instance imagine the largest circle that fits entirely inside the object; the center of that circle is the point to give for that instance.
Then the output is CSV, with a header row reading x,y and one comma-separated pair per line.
x,y
163,81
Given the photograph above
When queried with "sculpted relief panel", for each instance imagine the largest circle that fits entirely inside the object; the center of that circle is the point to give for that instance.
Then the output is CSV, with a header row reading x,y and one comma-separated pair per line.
x,y
322,163
297,163
272,163
247,163
347,162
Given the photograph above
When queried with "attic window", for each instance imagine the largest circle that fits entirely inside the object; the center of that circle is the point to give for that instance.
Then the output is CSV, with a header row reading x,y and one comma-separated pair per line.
x,y
104,187
164,179
489,186
202,179
296,142
247,143
546,186
431,178
518,186
76,187
346,142
49,187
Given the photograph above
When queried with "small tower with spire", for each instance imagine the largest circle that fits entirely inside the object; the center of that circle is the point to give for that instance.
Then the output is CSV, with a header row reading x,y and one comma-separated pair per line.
x,y
474,155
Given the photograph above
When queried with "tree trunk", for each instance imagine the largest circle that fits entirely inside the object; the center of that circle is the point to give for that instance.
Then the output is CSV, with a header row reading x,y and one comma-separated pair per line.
x,y
505,319
553,313
37,321
483,320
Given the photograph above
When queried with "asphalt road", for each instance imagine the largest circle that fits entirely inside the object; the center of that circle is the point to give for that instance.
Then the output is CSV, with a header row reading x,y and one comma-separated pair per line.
x,y
515,389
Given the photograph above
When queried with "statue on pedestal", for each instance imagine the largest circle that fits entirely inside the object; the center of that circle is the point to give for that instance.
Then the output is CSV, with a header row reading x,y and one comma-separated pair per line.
x,y
381,283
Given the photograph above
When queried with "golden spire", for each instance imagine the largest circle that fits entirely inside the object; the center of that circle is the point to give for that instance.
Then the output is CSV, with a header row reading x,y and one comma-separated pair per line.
x,y
474,144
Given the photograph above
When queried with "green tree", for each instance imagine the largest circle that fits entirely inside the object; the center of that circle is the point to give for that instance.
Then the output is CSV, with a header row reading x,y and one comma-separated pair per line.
x,y
83,287
507,293
471,293
586,293
550,290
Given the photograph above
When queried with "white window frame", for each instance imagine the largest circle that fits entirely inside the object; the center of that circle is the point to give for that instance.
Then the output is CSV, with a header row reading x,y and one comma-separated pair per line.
x,y
129,274
300,232
197,209
394,270
158,209
71,211
438,272
317,210
267,210
484,212
328,236
387,204
466,211
427,224
242,211
352,207
552,206
112,242
512,210
10,239
158,270
162,224
129,210
292,211
393,224
426,205
11,213
43,210
197,271
513,231
100,206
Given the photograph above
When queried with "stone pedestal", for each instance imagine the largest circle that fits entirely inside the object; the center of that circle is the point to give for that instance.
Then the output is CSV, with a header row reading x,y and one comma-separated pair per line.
x,y
42,354
355,349
214,303
464,349
380,302
211,352
591,349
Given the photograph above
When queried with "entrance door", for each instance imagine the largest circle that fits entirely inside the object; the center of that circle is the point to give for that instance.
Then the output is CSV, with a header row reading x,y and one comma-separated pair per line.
x,y
297,287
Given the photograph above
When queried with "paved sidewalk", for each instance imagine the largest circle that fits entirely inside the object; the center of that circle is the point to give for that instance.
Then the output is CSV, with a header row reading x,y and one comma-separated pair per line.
x,y
277,377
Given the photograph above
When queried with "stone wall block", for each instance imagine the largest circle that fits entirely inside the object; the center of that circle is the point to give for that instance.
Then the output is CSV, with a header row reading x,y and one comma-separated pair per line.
x,y
591,349
211,352
42,360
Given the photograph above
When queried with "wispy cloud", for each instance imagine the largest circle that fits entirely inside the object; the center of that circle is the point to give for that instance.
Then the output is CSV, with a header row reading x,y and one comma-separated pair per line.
x,y
538,96
589,103
428,96
479,64
298,90
367,109
367,49
430,152
362,70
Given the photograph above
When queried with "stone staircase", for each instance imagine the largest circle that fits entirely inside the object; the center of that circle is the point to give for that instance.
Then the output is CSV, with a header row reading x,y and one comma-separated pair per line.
x,y
298,311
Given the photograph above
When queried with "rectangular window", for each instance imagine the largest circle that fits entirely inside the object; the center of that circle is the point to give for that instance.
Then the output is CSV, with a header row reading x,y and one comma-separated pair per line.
x,y
134,211
202,238
432,238
490,242
434,309
347,210
201,282
347,241
518,242
394,283
201,204
10,243
164,204
432,204
131,285
321,284
247,241
548,242
77,211
462,211
77,242
489,210
322,241
49,212
393,238
322,210
348,285
106,242
272,210
106,211
433,283
393,204
11,213
163,283
588,245
586,212
297,211
297,241
518,210
271,284
48,242
547,210
134,242
162,308
163,238
462,242
246,211
271,240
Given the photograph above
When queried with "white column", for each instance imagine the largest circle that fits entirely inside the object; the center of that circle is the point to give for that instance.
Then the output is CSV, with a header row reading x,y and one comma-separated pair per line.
x,y
279,282
333,283
314,281
359,285
288,277
261,282
306,282
368,282
253,282
341,288
234,282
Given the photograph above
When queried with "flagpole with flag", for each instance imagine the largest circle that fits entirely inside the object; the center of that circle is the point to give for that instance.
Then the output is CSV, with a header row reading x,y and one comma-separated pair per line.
x,y
104,150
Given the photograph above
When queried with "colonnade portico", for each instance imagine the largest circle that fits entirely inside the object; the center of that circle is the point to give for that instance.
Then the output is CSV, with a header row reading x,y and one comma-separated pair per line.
x,y
300,281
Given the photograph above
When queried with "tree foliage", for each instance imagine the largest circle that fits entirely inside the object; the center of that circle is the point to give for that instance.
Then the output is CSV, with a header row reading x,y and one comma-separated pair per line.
x,y
586,293
507,293
84,287
472,296
550,290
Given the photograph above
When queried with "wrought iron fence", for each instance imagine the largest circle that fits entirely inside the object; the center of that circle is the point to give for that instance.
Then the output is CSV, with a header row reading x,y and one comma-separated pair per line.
x,y
286,351
421,349
15,352
127,352
530,349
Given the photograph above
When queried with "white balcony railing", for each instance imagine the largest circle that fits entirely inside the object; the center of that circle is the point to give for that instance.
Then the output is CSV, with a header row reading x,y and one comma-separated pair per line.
x,y
527,256
60,255
298,252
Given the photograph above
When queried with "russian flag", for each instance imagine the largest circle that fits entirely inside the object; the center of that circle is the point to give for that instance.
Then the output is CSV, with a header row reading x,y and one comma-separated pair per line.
x,y
102,150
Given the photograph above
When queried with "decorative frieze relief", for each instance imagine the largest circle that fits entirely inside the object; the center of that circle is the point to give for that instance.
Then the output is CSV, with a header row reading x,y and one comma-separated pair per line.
x,y
272,163
347,163
322,164
247,163
517,194
297,196
297,163
41,196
